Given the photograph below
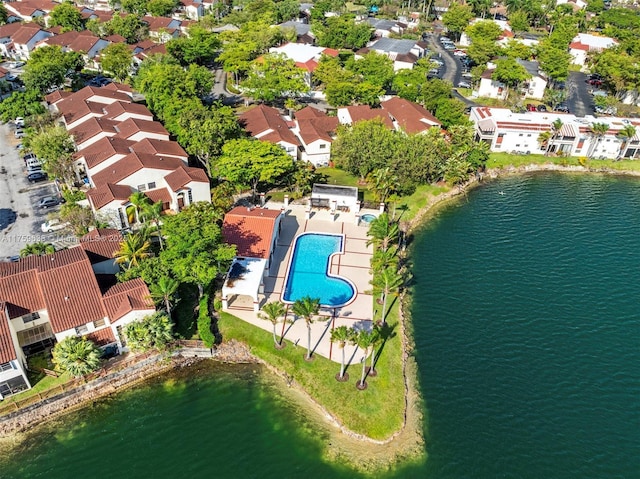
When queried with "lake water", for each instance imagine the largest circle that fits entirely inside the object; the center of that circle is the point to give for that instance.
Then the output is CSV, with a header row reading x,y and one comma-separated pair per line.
x,y
527,326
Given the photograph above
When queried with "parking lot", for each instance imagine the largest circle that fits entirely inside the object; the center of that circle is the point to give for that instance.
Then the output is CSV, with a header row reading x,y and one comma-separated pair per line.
x,y
20,219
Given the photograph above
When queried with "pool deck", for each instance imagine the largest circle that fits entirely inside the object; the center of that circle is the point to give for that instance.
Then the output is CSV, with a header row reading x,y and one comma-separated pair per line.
x,y
353,264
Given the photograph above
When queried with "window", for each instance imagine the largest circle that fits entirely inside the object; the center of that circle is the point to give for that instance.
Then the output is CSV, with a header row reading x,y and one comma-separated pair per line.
x,y
323,146
529,135
6,366
142,187
99,323
152,185
190,195
521,134
80,330
27,318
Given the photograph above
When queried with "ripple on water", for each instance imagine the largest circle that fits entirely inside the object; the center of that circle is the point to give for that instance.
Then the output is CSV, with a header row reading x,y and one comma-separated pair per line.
x,y
528,333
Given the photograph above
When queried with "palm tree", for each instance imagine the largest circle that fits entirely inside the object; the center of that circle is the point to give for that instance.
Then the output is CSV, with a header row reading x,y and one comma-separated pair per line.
x,y
307,308
152,212
598,130
273,312
364,340
382,183
383,232
626,134
556,126
133,249
543,141
77,355
382,260
37,249
139,200
152,332
164,291
341,335
387,282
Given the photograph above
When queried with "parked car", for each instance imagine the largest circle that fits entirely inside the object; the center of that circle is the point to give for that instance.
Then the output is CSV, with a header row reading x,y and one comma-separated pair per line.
x,y
594,82
466,74
562,107
464,84
542,108
460,53
52,225
36,176
19,121
28,156
445,40
531,107
449,46
34,164
34,169
19,146
437,62
19,133
48,202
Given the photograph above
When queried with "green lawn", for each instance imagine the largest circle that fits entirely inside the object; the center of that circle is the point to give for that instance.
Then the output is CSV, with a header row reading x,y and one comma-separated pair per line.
x,y
336,176
186,326
501,160
376,412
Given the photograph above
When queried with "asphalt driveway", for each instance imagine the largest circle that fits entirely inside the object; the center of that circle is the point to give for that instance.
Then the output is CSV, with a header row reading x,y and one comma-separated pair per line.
x,y
579,100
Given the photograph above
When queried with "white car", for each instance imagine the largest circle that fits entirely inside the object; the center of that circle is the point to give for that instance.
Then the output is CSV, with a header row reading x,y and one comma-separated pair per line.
x,y
52,225
460,53
464,84
19,122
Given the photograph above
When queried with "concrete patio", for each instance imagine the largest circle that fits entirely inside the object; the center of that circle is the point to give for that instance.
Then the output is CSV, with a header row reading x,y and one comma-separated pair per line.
x,y
353,265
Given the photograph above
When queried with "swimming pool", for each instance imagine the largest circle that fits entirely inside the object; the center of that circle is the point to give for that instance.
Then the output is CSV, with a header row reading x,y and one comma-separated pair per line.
x,y
308,272
367,218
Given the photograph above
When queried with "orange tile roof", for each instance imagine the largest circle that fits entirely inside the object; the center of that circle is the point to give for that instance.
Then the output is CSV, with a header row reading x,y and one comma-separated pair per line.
x,y
159,194
10,29
250,230
63,283
7,349
160,147
412,117
105,148
365,112
92,127
184,175
119,107
320,128
263,118
131,126
132,295
105,194
23,35
56,96
102,337
101,244
131,163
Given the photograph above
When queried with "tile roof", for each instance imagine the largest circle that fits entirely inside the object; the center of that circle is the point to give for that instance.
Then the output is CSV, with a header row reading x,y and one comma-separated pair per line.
x,y
100,244
365,112
131,126
105,194
160,194
75,105
102,337
265,123
10,29
92,127
7,349
20,290
412,117
184,175
105,148
63,281
160,147
321,128
23,35
118,108
250,230
56,96
132,295
131,163
115,86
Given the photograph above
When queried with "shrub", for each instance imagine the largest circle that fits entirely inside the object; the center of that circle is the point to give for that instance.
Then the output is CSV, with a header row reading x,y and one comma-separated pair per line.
x,y
204,323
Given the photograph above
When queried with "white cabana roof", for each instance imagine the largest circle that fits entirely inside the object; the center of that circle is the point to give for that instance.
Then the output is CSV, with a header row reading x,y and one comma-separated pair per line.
x,y
244,277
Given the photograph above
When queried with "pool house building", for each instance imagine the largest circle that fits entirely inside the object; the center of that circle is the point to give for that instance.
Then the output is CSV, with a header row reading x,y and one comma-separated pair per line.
x,y
254,232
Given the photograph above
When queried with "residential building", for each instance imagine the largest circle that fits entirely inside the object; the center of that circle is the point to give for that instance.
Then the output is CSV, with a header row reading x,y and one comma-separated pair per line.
x,y
534,87
585,43
44,299
266,124
404,53
304,35
506,131
305,56
17,40
316,132
396,113
254,232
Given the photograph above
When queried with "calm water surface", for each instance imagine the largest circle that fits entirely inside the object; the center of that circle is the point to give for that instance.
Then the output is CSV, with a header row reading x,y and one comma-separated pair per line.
x,y
527,327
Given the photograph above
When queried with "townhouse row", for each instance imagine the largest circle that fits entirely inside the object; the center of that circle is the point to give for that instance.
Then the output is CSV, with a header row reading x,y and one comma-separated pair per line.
x,y
504,130
122,150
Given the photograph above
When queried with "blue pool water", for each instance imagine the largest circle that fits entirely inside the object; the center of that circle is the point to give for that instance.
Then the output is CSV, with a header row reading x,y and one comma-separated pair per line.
x,y
307,274
368,218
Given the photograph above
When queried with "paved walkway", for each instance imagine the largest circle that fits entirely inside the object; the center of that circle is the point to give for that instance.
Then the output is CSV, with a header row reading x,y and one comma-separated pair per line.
x,y
353,264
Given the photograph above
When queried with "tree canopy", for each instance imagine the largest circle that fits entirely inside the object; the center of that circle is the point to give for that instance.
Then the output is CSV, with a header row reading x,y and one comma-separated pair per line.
x,y
116,59
457,17
48,66
200,46
275,76
249,162
67,16
341,32
55,147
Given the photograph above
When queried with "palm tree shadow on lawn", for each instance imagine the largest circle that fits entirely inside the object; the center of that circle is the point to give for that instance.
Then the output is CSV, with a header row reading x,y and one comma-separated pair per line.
x,y
326,328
